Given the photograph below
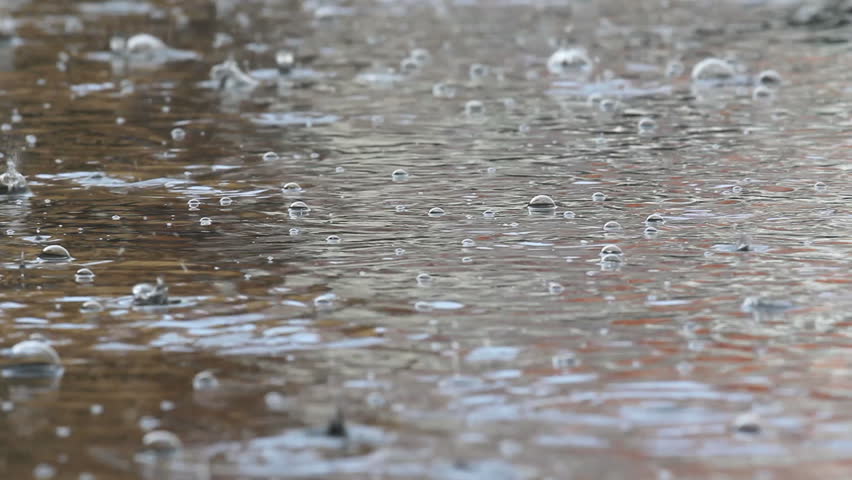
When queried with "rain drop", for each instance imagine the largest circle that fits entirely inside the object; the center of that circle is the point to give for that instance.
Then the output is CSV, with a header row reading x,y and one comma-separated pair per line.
x,y
568,214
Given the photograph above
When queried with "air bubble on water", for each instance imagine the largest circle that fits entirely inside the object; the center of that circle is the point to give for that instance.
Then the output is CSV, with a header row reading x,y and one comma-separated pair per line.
x,y
608,105
769,78
474,108
298,208
325,301
736,189
161,442
193,203
436,212
54,253
399,174
339,170
555,288
598,197
541,202
205,221
91,306
762,93
31,139
674,69
399,251
468,243
820,186
409,66
612,226
178,134
291,187
148,294
294,231
63,431
477,71
84,275
650,231
646,125
611,250
225,201
284,60
270,156
489,213
44,471
568,214
713,70
277,402
119,120
32,359
205,380
332,239
491,170
747,423
443,90
423,279
611,259
523,128
16,116
655,219
570,62
6,127
744,243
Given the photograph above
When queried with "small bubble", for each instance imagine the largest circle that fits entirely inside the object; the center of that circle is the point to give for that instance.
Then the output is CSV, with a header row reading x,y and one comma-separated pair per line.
x,y
54,253
646,125
820,186
567,62
31,139
608,105
769,78
119,120
325,301
489,213
399,251
612,226
193,203
298,208
611,259
294,231
436,212
178,134
477,72
650,231
541,202
424,279
399,175
161,442
291,187
332,240
736,189
474,108
225,201
116,217
443,90
555,288
63,432
205,221
674,69
205,380
762,93
277,402
713,70
91,306
655,219
568,214
747,423
339,170
468,243
598,197
84,275
611,250
399,208
270,156
44,471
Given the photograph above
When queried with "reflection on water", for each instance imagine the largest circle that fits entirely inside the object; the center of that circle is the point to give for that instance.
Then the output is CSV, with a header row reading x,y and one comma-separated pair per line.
x,y
455,240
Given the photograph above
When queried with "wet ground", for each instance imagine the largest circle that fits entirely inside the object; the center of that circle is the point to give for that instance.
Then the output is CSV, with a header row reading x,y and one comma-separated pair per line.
x,y
370,336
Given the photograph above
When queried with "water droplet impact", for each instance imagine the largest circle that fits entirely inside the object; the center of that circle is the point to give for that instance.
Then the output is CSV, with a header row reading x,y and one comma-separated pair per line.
x,y
568,214
436,212
399,175
474,108
84,275
598,197
332,240
424,279
489,213
570,62
205,221
31,359
555,288
820,186
12,182
178,134
161,443
612,226
205,381
541,202
270,156
769,78
744,243
225,201
713,70
193,203
468,243
54,253
646,125
611,250
147,294
655,219
291,187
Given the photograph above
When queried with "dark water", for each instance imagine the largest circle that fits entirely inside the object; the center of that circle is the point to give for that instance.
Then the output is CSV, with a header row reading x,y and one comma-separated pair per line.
x,y
717,346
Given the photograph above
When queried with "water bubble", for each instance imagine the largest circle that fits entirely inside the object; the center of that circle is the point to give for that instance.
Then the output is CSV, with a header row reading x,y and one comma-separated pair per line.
x,y
468,243
161,442
568,214
291,187
655,219
747,423
436,212
147,294
193,203
285,60
91,306
650,231
399,251
205,381
84,275
443,90
474,108
570,62
713,70
54,253
820,186
298,208
736,189
178,134
598,197
44,471
646,125
332,240
399,175
611,259
421,55
225,201
294,231
424,279
612,226
477,72
769,78
467,259
489,213
555,288
409,65
31,139
400,208
762,93
205,221
116,217
32,358
325,301
270,156
541,202
611,250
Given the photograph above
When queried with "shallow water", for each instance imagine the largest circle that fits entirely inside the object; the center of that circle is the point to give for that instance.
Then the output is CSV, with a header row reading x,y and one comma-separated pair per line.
x,y
490,342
